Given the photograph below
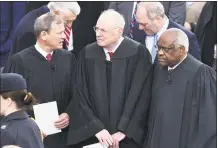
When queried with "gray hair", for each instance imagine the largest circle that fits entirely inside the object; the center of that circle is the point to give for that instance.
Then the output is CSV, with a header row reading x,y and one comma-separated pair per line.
x,y
64,6
181,38
44,22
153,9
115,17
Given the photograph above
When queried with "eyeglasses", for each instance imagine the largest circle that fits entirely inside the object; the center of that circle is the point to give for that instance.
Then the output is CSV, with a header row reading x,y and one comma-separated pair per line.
x,y
102,30
167,49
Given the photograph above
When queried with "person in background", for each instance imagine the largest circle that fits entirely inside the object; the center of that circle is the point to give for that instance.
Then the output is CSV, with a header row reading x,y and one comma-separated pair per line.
x,y
206,32
183,109
17,128
152,20
24,36
10,13
49,72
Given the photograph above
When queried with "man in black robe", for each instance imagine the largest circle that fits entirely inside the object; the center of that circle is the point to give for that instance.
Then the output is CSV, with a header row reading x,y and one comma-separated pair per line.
x,y
48,71
183,107
114,78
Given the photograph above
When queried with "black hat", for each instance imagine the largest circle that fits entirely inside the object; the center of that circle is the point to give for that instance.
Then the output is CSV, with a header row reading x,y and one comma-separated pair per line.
x,y
12,82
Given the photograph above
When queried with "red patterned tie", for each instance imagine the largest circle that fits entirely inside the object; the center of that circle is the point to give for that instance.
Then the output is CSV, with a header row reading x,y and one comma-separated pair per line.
x,y
111,55
48,57
133,20
67,33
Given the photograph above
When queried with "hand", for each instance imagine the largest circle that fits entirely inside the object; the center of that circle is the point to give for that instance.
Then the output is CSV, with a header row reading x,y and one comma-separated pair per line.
x,y
117,137
62,122
104,138
43,135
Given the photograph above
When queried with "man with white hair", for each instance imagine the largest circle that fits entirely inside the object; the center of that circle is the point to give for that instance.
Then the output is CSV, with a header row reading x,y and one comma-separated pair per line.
x,y
152,20
24,36
183,106
114,80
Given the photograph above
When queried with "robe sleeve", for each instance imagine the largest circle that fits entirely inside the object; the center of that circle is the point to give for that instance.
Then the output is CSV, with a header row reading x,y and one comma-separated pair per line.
x,y
83,124
135,112
202,131
13,65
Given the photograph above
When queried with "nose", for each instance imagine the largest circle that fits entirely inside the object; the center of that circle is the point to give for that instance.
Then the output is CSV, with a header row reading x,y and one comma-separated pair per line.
x,y
160,52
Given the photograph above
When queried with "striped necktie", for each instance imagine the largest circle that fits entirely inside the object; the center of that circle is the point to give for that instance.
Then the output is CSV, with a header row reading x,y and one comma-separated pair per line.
x,y
67,33
133,20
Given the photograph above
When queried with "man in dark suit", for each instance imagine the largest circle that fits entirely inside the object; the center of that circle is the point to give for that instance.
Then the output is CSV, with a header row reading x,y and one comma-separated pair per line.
x,y
174,10
152,22
24,34
206,32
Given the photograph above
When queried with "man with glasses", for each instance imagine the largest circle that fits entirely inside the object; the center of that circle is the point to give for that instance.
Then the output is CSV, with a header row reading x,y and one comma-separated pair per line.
x,y
183,106
114,80
152,20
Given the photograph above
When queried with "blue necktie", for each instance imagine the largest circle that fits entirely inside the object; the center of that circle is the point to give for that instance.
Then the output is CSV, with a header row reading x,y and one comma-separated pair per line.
x,y
154,50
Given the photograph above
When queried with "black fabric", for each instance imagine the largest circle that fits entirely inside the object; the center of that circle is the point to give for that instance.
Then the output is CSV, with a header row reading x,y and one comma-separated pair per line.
x,y
47,81
18,129
183,108
127,107
12,82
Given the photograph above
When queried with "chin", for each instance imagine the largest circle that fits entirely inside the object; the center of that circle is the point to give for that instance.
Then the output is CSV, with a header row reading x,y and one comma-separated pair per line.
x,y
100,44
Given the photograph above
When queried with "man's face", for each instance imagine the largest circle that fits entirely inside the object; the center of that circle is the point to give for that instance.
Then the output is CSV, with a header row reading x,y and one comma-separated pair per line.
x,y
149,26
55,37
168,53
68,17
106,33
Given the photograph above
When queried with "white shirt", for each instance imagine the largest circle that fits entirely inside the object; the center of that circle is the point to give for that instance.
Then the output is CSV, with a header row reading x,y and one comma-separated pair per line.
x,y
70,47
41,51
106,51
149,40
172,68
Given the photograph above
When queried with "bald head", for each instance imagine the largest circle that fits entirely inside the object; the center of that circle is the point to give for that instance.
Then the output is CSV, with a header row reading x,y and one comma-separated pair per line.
x,y
152,9
176,37
112,18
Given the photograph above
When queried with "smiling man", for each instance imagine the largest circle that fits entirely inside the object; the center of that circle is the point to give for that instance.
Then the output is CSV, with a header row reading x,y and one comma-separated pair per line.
x,y
114,82
48,71
183,108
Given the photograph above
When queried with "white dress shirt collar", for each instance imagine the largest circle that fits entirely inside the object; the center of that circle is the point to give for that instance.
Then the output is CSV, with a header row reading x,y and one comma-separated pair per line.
x,y
106,51
41,51
172,68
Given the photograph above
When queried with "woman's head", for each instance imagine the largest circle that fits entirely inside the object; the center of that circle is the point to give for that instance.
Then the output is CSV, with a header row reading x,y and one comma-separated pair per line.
x,y
13,94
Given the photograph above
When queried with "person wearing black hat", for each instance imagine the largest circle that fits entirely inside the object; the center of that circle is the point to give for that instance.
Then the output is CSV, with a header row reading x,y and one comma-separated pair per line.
x,y
16,127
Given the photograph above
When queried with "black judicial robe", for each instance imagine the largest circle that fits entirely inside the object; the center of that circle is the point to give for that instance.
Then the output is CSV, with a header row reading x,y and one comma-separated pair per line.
x,y
122,107
183,107
46,81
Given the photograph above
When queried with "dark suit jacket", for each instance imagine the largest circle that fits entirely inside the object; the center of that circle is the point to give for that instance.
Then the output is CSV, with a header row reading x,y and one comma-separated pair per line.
x,y
24,34
174,10
10,14
194,48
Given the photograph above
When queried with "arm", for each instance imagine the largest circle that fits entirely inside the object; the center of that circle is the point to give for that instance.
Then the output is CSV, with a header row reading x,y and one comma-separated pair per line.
x,y
138,100
177,12
194,48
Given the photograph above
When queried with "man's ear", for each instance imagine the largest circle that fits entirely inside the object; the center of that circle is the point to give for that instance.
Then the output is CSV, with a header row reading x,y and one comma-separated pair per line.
x,y
43,35
182,50
56,12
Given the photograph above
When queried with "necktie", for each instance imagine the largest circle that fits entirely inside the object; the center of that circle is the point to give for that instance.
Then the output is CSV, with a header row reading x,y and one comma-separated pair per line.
x,y
133,20
154,49
48,57
111,55
214,66
67,33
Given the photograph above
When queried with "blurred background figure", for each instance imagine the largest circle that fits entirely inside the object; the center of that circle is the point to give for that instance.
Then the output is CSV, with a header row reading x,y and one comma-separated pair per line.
x,y
16,127
206,32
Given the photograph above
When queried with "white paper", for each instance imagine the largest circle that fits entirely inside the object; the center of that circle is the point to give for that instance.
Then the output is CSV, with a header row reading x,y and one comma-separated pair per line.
x,y
45,116
96,145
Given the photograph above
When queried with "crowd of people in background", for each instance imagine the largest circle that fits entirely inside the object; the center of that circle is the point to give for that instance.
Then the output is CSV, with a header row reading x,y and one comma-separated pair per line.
x,y
124,74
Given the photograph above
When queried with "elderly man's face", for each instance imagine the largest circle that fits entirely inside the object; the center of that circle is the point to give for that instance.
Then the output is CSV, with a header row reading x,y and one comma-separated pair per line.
x,y
68,18
55,37
168,53
149,26
106,33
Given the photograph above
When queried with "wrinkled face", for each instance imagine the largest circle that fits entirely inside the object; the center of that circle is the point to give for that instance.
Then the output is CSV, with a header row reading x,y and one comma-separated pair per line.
x,y
68,18
54,38
106,33
149,26
5,103
168,53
